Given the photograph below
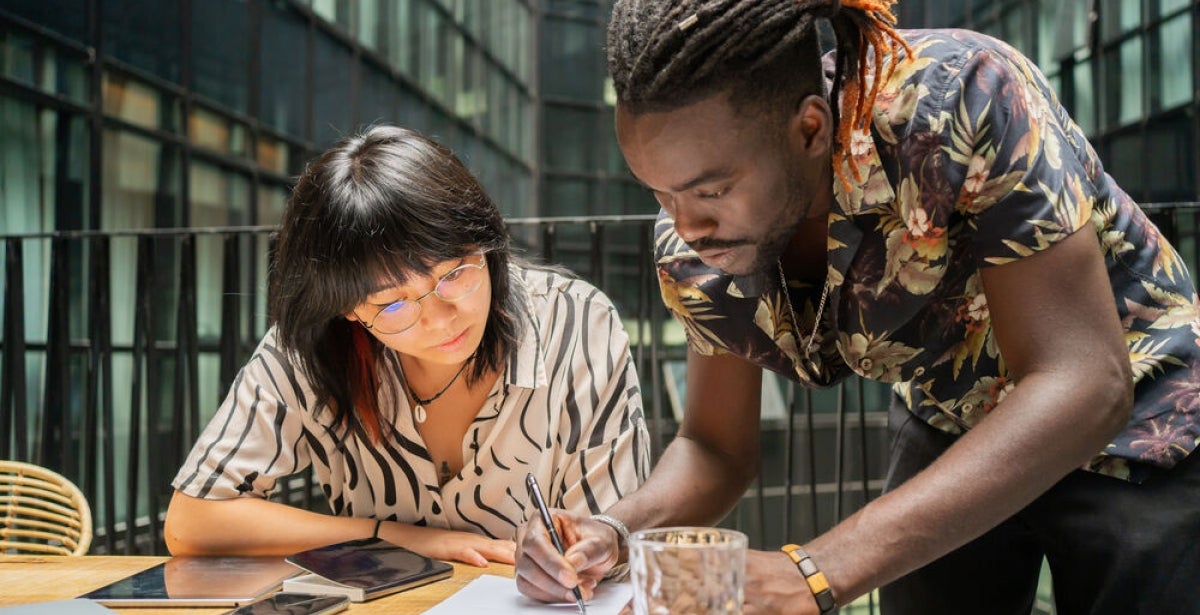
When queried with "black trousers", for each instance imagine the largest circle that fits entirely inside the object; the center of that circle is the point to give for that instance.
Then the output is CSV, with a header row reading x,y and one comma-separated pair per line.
x,y
1113,546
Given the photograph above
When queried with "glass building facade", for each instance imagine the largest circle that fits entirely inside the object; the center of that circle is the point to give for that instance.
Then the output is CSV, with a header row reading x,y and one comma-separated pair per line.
x,y
1127,70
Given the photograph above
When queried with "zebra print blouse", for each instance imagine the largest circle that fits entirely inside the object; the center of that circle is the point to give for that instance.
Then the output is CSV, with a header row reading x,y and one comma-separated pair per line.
x,y
567,408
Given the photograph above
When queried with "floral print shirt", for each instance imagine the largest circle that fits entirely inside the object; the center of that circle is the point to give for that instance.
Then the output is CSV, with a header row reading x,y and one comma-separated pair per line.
x,y
971,162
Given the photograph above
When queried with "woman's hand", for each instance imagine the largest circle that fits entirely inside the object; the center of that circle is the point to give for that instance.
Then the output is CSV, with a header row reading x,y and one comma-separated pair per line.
x,y
449,545
543,574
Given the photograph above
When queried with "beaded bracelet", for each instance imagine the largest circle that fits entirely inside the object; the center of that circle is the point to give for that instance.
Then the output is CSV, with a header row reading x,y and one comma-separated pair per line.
x,y
817,583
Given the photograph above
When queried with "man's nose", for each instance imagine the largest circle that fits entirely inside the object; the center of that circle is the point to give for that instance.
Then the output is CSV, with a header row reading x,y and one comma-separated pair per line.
x,y
693,221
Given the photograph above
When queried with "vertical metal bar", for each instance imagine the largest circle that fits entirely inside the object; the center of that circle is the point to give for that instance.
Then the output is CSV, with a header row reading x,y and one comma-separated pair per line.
x,y
102,341
656,366
596,236
155,395
862,443
812,460
54,448
183,416
14,398
92,376
839,462
230,323
548,242
141,341
789,459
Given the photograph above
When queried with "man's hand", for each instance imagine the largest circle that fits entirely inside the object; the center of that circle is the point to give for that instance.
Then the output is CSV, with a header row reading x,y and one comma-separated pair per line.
x,y
773,585
543,574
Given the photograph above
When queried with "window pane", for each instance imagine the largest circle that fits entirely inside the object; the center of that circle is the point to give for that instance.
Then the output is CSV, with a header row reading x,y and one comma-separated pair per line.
x,y
221,52
1166,7
283,71
67,17
141,183
1175,65
145,34
569,139
218,198
1172,148
572,60
376,99
1119,16
1123,70
1124,162
138,103
332,113
1084,104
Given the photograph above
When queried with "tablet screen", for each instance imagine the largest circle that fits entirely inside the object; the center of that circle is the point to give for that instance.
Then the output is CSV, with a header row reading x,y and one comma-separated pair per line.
x,y
197,581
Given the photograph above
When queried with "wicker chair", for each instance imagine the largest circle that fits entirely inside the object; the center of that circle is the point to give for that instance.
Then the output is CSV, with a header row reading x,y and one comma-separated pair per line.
x,y
41,512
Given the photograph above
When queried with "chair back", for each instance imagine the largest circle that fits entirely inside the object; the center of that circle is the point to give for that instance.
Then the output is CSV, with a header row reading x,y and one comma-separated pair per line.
x,y
41,512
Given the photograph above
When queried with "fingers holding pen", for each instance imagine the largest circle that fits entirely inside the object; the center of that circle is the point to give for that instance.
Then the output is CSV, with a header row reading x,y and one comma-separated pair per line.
x,y
542,573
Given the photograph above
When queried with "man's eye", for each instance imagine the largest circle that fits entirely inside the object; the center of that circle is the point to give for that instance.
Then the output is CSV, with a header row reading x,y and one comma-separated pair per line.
x,y
715,194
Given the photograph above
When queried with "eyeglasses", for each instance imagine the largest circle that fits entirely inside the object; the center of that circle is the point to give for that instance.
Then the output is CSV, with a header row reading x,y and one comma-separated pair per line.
x,y
457,284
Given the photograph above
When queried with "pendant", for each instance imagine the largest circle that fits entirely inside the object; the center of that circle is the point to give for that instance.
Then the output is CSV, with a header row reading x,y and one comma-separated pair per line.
x,y
419,413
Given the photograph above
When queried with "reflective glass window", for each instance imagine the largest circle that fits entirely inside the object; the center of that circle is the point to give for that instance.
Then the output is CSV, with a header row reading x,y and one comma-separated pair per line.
x,y
218,133
332,71
1175,62
220,39
144,34
335,11
572,64
138,103
1083,107
219,197
1166,7
43,169
376,97
1123,71
284,71
1119,16
568,139
141,182
67,17
1171,148
1123,160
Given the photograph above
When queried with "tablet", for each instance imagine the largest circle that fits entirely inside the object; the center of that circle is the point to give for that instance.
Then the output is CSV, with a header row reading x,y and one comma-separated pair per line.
x,y
197,581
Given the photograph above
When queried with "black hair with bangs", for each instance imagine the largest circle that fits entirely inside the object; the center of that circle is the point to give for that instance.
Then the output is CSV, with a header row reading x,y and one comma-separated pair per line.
x,y
385,204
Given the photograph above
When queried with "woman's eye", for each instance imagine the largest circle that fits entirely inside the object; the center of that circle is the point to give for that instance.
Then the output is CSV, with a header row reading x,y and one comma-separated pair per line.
x,y
453,275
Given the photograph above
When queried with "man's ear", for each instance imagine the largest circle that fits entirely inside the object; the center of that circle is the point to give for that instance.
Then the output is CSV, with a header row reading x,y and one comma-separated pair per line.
x,y
811,126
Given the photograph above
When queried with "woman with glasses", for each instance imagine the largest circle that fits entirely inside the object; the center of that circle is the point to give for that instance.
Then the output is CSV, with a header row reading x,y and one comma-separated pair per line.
x,y
418,368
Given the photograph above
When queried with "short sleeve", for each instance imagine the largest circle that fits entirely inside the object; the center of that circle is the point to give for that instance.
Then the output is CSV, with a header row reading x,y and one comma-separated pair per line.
x,y
1026,183
256,436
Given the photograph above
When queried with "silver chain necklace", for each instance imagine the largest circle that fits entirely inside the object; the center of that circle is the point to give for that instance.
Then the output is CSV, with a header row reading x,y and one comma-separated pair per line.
x,y
419,412
812,337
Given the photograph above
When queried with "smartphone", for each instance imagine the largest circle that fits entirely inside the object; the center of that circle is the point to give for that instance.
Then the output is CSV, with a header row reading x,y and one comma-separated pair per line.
x,y
288,603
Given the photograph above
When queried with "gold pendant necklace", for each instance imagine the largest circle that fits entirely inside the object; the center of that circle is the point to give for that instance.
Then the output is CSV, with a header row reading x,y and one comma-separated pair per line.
x,y
812,337
419,410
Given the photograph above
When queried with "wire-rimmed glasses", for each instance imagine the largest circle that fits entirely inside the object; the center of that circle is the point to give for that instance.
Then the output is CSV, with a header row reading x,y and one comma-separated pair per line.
x,y
455,285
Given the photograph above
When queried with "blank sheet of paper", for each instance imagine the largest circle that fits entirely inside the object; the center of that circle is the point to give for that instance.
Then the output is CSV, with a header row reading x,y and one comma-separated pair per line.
x,y
497,595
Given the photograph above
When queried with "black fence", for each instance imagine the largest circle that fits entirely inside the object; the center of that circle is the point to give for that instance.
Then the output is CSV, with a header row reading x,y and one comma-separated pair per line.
x,y
117,346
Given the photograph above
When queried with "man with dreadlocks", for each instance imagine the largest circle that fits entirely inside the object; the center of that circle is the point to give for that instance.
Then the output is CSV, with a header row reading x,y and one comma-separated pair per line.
x,y
918,210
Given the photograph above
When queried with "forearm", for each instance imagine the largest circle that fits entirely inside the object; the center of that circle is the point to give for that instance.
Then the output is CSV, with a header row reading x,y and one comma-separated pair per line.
x,y
690,485
1041,431
252,526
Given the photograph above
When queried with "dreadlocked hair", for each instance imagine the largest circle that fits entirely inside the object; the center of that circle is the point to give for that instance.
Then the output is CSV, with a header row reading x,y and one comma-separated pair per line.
x,y
666,54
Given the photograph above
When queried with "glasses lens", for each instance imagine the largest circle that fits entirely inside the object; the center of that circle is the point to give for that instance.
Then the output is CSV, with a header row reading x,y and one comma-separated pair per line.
x,y
397,317
461,282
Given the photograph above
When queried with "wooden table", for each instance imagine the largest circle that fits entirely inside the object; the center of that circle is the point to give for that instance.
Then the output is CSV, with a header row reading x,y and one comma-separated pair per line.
x,y
27,579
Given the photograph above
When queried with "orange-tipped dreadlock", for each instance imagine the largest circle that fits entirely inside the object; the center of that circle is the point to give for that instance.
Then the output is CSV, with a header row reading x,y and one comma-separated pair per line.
x,y
876,32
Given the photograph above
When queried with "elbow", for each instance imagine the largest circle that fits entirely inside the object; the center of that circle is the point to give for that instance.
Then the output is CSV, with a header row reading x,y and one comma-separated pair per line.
x,y
181,532
1115,402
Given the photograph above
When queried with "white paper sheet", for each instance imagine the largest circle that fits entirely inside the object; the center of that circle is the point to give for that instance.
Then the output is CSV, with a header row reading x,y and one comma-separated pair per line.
x,y
497,595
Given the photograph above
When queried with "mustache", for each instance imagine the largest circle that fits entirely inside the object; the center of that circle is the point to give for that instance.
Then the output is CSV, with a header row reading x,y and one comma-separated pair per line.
x,y
707,243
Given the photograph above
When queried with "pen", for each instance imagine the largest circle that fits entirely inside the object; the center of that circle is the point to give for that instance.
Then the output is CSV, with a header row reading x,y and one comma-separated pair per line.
x,y
535,492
